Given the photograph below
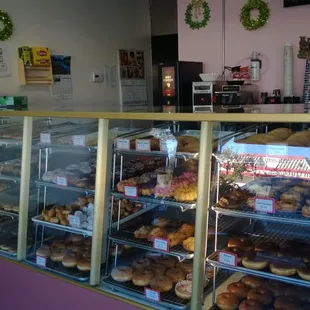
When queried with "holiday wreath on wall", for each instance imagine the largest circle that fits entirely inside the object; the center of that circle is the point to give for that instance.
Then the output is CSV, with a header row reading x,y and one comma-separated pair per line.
x,y
250,23
197,8
7,30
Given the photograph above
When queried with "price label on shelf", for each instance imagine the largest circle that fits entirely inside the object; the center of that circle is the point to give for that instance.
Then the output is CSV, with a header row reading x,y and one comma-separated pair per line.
x,y
79,140
123,144
265,205
228,258
163,146
45,138
152,294
277,150
62,181
41,261
74,221
131,191
143,145
161,244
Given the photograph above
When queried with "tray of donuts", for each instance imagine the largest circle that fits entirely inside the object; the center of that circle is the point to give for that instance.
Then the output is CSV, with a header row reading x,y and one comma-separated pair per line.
x,y
255,293
69,256
165,275
286,260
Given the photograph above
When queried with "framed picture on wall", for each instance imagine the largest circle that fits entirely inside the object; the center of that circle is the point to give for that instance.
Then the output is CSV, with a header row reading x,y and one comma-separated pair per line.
x,y
288,3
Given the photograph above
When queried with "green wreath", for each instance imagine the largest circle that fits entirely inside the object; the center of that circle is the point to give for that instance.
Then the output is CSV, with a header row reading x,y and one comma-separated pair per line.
x,y
7,31
245,15
197,4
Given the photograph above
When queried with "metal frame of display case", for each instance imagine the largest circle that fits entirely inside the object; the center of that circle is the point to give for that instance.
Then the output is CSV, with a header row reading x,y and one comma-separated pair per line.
x,y
203,185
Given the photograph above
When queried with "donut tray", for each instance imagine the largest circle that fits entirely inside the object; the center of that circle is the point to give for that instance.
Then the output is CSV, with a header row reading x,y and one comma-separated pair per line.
x,y
168,300
58,268
126,236
268,232
69,188
151,199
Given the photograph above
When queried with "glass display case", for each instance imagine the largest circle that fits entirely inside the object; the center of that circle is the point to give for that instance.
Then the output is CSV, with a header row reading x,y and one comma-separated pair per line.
x,y
157,215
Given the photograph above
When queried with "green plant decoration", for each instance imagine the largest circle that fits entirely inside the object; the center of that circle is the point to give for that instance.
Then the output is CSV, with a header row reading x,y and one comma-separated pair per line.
x,y
7,31
195,7
245,15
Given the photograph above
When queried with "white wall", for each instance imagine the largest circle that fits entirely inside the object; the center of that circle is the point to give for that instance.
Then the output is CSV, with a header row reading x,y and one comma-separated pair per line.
x,y
90,31
164,17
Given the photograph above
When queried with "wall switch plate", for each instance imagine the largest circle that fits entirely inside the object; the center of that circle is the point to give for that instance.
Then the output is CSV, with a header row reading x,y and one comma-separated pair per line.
x,y
98,77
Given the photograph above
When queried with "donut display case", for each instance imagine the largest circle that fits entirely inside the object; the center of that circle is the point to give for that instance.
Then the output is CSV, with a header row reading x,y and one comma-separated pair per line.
x,y
268,186
148,249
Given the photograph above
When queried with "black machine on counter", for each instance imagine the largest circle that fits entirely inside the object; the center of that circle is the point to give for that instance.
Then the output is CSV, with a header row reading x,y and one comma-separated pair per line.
x,y
220,97
174,91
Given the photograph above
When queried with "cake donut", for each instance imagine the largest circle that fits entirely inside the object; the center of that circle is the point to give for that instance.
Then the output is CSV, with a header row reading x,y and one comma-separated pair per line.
x,y
122,273
175,274
183,289
142,277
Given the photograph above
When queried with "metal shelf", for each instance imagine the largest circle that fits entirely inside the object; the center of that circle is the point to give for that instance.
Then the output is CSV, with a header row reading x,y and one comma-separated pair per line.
x,y
11,214
9,178
69,147
159,201
70,229
169,300
270,232
279,217
69,188
182,155
58,268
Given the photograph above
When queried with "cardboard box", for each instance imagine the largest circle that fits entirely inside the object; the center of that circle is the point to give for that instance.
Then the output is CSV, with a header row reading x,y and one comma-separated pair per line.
x,y
41,56
13,103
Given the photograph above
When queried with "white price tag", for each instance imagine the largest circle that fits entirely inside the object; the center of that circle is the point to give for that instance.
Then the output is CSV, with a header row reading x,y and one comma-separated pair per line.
x,y
152,294
265,205
45,138
74,221
131,191
161,244
163,146
143,145
41,261
79,140
62,181
123,144
228,258
277,150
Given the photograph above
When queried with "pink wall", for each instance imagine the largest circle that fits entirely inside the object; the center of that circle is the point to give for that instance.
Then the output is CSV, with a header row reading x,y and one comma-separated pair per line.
x,y
24,289
285,25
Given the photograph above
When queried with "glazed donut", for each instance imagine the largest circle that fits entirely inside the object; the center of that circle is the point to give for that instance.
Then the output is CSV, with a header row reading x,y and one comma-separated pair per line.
x,y
142,277
227,301
158,269
69,261
282,270
183,289
252,281
175,274
240,253
256,263
57,255
250,304
304,273
161,283
167,261
187,266
286,302
260,294
83,264
239,289
122,274
241,243
266,247
298,292
275,287
141,263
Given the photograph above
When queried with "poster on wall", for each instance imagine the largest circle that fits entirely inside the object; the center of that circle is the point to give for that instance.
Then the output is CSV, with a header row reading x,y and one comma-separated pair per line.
x,y
133,86
288,3
62,88
131,64
4,62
